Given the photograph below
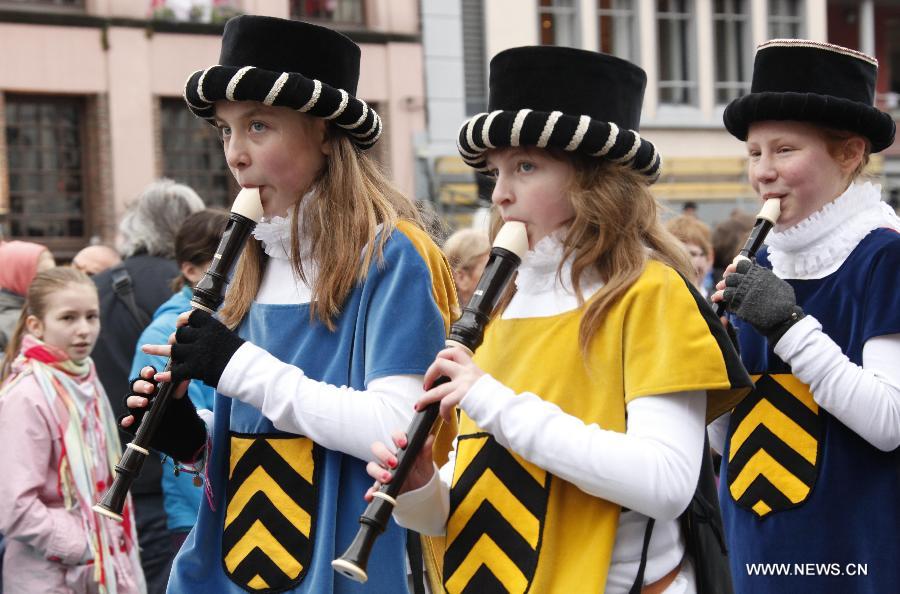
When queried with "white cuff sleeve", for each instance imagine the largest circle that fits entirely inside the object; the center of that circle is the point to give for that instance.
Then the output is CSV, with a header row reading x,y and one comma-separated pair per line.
x,y
866,399
338,418
426,509
652,468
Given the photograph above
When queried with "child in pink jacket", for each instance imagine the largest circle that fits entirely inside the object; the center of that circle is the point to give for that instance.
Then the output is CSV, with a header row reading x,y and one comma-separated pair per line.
x,y
59,447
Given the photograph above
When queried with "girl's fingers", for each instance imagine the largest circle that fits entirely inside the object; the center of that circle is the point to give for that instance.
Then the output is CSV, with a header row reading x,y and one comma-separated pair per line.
x,y
455,354
164,350
147,372
378,472
399,438
434,395
163,376
127,421
137,402
143,387
384,456
448,405
370,493
182,319
440,367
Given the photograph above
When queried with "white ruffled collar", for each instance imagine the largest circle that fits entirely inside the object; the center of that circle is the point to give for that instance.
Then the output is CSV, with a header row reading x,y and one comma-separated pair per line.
x,y
818,245
538,271
275,233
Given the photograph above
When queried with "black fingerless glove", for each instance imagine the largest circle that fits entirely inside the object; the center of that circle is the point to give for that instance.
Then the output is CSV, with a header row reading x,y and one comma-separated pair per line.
x,y
181,432
203,349
763,300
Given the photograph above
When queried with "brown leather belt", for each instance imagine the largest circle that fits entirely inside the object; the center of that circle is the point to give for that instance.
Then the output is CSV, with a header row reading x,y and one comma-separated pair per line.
x,y
660,585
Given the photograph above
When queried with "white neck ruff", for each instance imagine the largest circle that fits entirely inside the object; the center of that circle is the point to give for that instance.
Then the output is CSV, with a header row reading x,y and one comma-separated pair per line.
x,y
537,272
540,291
818,245
275,233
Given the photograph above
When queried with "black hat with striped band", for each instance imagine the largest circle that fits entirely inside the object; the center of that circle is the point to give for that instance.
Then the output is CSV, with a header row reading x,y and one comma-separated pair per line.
x,y
290,64
811,81
559,97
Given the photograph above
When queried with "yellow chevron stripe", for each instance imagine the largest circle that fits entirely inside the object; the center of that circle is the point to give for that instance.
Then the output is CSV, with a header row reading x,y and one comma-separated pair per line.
x,y
761,508
764,413
239,447
489,488
473,447
259,536
259,480
297,453
257,583
761,463
487,553
539,474
798,389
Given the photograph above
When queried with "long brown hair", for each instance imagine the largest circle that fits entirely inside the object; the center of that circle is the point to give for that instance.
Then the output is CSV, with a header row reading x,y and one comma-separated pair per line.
x,y
616,229
352,198
44,284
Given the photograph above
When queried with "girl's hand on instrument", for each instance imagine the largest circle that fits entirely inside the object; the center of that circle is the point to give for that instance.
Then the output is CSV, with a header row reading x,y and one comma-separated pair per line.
x,y
720,286
455,364
754,294
142,391
200,348
182,433
386,459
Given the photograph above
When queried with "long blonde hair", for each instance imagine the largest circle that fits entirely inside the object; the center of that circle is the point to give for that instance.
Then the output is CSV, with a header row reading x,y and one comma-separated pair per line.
x,y
352,198
616,229
44,284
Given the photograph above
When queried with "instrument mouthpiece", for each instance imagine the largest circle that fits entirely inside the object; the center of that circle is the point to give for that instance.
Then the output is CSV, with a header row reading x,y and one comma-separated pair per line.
x,y
513,237
771,210
248,204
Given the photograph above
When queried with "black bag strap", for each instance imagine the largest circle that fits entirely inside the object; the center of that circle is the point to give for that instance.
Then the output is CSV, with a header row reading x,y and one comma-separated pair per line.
x,y
639,580
123,287
416,561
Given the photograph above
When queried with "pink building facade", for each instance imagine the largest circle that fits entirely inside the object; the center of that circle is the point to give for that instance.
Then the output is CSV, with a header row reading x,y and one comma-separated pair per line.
x,y
90,97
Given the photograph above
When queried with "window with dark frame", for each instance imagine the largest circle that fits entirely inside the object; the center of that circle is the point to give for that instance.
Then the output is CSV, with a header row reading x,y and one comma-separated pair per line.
x,y
785,19
558,22
616,29
731,28
192,154
347,12
676,52
47,171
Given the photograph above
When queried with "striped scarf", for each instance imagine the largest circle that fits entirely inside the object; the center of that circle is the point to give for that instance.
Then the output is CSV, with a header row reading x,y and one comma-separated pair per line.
x,y
90,447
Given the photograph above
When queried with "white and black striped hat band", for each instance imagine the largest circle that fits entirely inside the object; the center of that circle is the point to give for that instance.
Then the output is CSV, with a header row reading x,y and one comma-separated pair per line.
x,y
287,63
285,89
542,129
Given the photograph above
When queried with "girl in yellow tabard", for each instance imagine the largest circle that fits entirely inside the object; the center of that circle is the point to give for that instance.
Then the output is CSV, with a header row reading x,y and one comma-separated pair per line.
x,y
583,413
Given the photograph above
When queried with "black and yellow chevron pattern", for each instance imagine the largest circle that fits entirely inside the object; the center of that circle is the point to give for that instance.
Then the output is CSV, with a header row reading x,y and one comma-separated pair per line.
x,y
774,452
270,515
497,509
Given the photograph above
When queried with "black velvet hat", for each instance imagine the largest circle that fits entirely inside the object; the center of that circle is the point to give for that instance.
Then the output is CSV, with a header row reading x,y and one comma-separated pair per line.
x,y
810,81
290,64
570,99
